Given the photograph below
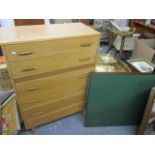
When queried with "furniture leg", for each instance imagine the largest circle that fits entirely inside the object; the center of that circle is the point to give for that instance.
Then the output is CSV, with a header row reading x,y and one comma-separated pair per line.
x,y
110,44
121,48
33,130
116,53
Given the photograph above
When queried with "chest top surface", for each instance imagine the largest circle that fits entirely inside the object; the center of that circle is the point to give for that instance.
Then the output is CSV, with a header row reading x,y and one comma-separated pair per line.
x,y
20,34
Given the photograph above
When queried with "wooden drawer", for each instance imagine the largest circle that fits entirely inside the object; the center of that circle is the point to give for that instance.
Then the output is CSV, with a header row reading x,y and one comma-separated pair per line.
x,y
26,51
52,63
53,116
39,91
52,106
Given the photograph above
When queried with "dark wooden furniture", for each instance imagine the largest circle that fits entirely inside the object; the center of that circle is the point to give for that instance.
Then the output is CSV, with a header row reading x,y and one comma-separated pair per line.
x,y
141,27
22,22
85,21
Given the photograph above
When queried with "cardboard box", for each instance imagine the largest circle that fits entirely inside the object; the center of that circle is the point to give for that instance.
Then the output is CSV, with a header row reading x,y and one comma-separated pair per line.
x,y
144,48
9,116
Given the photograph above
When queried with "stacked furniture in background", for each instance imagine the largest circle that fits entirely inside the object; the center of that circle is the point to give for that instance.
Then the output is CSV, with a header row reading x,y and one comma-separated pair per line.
x,y
129,43
48,66
102,25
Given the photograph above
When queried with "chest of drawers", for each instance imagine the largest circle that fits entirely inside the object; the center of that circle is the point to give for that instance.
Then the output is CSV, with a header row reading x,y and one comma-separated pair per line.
x,y
49,66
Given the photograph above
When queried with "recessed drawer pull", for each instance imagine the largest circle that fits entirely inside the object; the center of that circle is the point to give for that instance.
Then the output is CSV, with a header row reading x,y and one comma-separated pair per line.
x,y
83,76
25,53
84,59
85,44
32,89
28,69
37,114
34,101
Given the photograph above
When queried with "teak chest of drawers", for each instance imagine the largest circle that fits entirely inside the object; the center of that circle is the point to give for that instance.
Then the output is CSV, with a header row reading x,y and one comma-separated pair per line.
x,y
49,66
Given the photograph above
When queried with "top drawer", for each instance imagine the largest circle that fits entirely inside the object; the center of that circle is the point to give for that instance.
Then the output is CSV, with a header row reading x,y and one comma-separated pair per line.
x,y
23,51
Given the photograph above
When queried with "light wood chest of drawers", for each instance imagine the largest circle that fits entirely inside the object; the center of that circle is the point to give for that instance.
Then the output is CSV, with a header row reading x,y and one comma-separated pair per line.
x,y
49,66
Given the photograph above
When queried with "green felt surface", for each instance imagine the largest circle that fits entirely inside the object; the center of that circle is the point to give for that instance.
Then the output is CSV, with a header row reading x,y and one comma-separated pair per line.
x,y
117,99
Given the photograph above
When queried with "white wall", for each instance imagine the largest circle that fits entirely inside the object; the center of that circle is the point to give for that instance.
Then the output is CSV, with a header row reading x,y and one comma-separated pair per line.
x,y
7,22
10,22
121,22
47,21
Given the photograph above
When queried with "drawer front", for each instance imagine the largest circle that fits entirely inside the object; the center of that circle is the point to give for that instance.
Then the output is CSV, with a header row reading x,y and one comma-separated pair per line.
x,y
37,92
52,106
26,51
53,116
27,68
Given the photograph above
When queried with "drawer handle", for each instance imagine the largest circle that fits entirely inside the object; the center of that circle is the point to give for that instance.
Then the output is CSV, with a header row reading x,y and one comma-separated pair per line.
x,y
85,44
28,69
25,53
32,89
83,76
34,101
84,59
37,114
